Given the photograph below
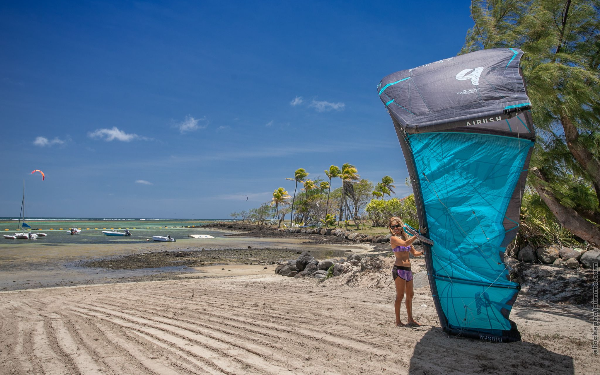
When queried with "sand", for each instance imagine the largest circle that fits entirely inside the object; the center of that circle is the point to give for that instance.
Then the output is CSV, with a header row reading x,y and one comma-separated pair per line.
x,y
237,319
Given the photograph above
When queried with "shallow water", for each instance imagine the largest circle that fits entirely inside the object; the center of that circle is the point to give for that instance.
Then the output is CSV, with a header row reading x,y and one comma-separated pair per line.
x,y
91,230
55,260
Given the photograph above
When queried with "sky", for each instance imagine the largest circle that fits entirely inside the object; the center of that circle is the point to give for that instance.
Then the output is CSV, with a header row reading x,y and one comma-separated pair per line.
x,y
197,109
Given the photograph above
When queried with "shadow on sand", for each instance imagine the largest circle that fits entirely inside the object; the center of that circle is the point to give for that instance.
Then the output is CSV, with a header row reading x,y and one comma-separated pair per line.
x,y
439,353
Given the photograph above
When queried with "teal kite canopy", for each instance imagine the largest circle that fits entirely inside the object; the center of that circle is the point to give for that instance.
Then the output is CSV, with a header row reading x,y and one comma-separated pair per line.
x,y
466,132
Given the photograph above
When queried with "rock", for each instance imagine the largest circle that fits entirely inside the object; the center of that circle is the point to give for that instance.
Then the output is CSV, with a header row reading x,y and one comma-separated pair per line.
x,y
558,262
354,257
572,263
303,260
567,253
288,270
352,236
325,264
311,268
527,254
321,275
338,269
548,255
590,257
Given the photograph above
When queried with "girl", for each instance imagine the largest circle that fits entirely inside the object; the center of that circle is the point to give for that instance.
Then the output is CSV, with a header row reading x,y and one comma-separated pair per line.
x,y
403,277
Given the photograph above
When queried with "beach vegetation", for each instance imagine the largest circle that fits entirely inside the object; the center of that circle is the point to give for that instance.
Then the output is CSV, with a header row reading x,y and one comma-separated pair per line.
x,y
561,68
333,172
280,198
299,175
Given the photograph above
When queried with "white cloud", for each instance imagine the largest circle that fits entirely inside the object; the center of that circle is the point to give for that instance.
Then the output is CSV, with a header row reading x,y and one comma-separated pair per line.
x,y
190,124
43,141
269,124
297,101
143,182
324,106
223,128
112,134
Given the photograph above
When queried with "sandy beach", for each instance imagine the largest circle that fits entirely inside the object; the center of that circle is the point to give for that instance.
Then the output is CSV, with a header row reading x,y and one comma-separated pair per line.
x,y
242,318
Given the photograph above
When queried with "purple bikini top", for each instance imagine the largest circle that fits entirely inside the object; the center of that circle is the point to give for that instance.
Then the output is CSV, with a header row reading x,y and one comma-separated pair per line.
x,y
401,248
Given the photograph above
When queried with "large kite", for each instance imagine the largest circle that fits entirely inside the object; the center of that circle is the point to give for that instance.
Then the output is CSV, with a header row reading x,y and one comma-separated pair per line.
x,y
466,132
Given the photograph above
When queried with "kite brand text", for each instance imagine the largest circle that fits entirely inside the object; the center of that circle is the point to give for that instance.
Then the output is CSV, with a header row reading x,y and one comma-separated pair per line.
x,y
490,338
484,121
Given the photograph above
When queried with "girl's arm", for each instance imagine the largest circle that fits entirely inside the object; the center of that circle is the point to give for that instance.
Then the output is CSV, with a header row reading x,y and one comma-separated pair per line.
x,y
397,241
414,252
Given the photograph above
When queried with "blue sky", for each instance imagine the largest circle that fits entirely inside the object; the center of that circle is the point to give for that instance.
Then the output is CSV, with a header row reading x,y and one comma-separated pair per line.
x,y
171,109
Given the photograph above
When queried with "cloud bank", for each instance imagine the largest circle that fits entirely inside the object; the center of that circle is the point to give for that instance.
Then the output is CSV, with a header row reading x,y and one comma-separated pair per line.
x,y
143,182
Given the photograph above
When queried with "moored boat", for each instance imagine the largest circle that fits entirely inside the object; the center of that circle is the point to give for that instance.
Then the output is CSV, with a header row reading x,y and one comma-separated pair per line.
x,y
200,236
115,233
163,238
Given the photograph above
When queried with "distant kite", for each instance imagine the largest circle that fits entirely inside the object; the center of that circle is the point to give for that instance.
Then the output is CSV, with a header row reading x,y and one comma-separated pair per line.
x,y
43,175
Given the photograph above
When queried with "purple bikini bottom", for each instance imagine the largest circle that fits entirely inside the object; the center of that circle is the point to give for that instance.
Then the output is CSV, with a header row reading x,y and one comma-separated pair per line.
x,y
402,272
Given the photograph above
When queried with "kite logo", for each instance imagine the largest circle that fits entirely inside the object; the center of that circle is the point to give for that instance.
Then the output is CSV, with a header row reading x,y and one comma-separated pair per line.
x,y
472,74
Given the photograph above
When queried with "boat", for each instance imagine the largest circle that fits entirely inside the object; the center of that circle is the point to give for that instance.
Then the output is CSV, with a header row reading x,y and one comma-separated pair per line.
x,y
74,231
23,225
115,233
163,238
200,236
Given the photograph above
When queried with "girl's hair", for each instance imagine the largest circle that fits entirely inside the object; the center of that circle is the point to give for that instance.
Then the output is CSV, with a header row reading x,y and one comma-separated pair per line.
x,y
398,220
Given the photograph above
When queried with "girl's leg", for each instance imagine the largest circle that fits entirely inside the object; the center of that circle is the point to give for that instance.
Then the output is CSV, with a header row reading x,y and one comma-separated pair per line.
x,y
409,297
400,286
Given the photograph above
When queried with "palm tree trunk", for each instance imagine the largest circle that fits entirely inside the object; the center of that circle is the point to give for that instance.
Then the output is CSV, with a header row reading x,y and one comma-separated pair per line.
x,y
292,212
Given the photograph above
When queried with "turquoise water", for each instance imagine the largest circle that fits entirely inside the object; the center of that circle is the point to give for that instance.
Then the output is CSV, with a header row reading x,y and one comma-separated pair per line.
x,y
57,230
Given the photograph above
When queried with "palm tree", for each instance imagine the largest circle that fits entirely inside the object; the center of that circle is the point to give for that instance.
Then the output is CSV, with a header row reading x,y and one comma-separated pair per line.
x,y
388,183
332,172
299,176
349,175
280,196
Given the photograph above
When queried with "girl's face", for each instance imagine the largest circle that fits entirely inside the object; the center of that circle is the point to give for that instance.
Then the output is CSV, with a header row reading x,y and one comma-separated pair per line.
x,y
396,227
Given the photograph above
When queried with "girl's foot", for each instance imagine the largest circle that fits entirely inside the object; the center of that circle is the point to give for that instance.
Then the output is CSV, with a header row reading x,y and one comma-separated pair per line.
x,y
399,324
413,323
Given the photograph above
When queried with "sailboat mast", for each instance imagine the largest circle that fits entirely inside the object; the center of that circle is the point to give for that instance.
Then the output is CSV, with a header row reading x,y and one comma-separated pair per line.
x,y
22,208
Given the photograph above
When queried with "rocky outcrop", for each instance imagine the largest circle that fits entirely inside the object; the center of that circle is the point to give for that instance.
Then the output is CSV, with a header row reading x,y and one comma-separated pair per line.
x,y
307,266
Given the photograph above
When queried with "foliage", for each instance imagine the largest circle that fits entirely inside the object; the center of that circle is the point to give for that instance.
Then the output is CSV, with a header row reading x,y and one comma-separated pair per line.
x,y
329,220
262,214
379,211
280,197
299,175
539,227
561,41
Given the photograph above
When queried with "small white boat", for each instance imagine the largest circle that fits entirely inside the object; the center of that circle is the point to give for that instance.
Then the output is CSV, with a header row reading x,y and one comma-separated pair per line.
x,y
41,234
200,236
10,236
163,238
74,231
114,233
26,236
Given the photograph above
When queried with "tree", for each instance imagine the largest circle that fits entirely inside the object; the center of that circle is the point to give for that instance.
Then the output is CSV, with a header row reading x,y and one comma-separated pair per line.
x,y
332,172
561,41
299,176
388,183
280,197
349,175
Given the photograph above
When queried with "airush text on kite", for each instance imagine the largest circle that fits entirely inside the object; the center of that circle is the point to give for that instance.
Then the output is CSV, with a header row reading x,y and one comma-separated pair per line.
x,y
484,120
